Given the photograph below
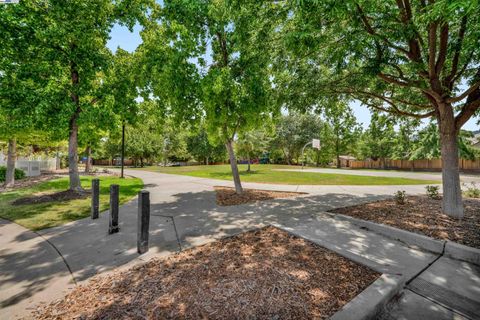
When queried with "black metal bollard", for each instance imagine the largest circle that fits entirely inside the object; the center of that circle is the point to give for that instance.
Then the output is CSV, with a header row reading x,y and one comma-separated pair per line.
x,y
95,198
113,223
143,221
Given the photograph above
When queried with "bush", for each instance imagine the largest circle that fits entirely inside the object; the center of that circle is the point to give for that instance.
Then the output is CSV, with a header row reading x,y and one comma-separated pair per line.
x,y
400,197
432,192
19,174
472,190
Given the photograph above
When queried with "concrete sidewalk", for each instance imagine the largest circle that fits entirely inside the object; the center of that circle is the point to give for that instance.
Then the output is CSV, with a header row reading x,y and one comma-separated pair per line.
x,y
184,214
31,271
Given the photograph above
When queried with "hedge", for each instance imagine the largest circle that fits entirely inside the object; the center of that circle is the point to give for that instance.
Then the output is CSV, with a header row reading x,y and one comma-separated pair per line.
x,y
19,174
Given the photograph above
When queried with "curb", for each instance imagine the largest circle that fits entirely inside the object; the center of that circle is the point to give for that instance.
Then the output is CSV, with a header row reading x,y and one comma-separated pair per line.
x,y
407,237
449,248
462,252
371,301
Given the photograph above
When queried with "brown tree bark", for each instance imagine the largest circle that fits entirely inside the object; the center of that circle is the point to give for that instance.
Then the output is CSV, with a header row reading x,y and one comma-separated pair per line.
x,y
88,164
248,170
452,193
74,176
73,156
234,167
11,158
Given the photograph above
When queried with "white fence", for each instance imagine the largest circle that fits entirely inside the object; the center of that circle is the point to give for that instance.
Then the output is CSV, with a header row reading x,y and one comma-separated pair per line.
x,y
32,168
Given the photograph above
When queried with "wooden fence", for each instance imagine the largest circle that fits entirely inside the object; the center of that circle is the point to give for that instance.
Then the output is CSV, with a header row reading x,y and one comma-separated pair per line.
x,y
425,164
109,162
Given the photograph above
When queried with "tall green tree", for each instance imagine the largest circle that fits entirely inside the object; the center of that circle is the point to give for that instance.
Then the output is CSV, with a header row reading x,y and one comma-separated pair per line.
x,y
210,59
377,142
202,149
345,129
20,71
252,144
295,130
410,58
72,36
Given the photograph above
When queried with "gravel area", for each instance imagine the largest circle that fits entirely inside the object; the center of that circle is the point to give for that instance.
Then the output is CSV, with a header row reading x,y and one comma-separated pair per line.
x,y
423,215
262,274
227,197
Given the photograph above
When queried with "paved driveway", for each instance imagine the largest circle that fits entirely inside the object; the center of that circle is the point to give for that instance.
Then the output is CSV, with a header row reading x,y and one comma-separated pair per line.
x,y
184,214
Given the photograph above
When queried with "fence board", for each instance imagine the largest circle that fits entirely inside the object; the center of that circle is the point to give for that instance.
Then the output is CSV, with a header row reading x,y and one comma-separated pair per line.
x,y
422,164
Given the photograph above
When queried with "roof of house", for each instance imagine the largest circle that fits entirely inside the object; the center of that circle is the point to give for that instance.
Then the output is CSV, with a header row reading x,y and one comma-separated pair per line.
x,y
347,158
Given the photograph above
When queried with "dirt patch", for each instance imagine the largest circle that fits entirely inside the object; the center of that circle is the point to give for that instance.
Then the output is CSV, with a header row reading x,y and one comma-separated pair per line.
x,y
262,274
423,215
29,181
52,197
227,197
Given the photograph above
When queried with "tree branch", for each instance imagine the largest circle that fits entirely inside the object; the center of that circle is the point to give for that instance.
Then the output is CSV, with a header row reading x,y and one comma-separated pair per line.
x,y
472,104
456,56
442,53
399,112
432,49
370,30
465,93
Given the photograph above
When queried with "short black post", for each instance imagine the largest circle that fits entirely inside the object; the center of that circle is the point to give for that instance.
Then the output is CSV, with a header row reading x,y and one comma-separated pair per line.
x,y
113,225
143,221
95,197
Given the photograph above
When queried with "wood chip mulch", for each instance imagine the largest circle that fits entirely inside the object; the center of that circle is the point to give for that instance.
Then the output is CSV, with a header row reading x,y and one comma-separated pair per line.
x,y
423,215
261,274
227,197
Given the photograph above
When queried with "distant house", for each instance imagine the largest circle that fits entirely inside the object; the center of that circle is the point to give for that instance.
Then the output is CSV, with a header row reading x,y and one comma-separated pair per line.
x,y
345,161
476,139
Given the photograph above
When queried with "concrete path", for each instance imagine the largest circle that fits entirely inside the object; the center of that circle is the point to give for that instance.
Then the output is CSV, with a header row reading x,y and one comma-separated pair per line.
x,y
31,271
467,178
449,289
184,214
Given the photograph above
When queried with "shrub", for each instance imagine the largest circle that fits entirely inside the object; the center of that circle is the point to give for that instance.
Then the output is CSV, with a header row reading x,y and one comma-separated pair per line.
x,y
19,174
400,197
472,190
432,192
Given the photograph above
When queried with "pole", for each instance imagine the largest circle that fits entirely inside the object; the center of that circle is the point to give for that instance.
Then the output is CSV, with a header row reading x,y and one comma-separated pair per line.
x,y
123,149
113,221
95,197
143,222
303,149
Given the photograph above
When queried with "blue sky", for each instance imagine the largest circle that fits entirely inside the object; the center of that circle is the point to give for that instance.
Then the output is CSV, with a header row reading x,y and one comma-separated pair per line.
x,y
123,38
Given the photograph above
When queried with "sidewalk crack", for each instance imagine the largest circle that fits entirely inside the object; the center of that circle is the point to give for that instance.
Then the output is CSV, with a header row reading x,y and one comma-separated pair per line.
x,y
60,254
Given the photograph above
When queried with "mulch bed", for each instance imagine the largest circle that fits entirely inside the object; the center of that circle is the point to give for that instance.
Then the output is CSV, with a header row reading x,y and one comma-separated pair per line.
x,y
227,197
423,215
262,274
28,182
52,197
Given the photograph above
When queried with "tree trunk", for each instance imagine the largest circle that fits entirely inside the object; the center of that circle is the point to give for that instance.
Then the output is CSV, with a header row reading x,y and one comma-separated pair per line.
x,y
248,170
122,155
337,151
73,156
74,177
233,165
11,158
452,192
57,160
88,164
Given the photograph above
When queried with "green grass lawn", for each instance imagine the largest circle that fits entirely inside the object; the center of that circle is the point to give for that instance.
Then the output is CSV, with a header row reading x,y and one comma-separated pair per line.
x,y
45,215
265,174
